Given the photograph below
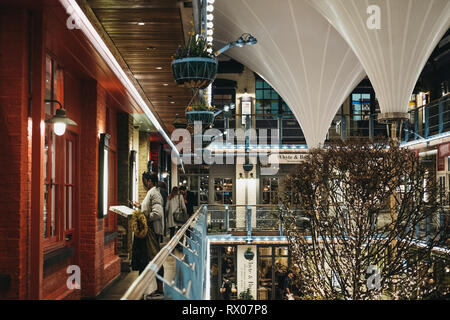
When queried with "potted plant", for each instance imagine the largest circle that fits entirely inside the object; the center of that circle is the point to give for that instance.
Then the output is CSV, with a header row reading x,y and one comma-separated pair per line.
x,y
246,295
249,254
200,110
194,65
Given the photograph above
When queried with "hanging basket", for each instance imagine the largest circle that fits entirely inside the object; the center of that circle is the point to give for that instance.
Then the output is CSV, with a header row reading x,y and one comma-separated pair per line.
x,y
194,72
205,117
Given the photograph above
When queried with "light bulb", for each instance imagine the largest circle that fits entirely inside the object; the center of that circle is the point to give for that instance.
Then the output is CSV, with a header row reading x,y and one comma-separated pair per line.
x,y
210,8
210,1
210,17
209,39
210,25
209,32
59,128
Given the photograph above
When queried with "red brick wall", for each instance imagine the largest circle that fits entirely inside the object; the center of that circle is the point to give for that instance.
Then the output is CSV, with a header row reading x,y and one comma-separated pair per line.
x,y
86,104
97,271
13,151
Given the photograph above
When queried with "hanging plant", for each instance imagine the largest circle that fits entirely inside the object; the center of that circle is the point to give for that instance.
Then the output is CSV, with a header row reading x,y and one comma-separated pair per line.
x,y
200,110
194,65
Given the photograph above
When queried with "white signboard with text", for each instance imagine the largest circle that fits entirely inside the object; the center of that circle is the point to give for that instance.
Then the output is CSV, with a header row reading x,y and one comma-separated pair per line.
x,y
286,158
247,269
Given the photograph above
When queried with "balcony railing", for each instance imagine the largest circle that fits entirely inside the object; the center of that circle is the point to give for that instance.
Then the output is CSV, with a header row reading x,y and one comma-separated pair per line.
x,y
424,121
267,220
190,269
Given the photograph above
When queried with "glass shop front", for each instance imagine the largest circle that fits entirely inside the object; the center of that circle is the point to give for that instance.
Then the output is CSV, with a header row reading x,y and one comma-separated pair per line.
x,y
272,262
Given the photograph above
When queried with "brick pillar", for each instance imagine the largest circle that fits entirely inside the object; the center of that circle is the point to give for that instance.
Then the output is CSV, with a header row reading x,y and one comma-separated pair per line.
x,y
124,140
91,227
14,189
143,152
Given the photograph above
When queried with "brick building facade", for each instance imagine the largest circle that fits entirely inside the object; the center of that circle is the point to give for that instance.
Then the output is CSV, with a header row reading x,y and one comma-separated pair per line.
x,y
40,238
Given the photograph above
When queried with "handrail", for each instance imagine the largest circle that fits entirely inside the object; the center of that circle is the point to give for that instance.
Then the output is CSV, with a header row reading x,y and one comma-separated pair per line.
x,y
139,287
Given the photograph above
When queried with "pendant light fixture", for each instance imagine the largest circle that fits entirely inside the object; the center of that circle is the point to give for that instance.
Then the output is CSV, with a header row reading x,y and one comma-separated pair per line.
x,y
60,120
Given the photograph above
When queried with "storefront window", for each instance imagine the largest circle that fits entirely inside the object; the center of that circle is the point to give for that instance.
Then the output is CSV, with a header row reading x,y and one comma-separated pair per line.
x,y
223,263
196,179
223,190
270,190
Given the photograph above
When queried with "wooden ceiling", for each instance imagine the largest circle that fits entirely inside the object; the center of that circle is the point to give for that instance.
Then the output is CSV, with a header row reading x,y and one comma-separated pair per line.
x,y
147,49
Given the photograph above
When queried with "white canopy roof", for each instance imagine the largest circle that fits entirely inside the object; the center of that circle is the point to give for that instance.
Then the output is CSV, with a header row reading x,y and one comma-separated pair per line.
x,y
298,53
395,54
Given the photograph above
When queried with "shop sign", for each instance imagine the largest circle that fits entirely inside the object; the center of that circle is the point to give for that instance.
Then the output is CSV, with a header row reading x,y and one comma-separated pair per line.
x,y
287,158
247,269
444,150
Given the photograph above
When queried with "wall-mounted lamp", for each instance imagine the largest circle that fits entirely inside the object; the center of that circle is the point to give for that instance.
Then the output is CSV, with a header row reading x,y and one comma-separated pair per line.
x,y
103,171
60,120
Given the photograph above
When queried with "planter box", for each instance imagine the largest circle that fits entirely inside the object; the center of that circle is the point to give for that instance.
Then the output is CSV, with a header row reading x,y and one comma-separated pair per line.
x,y
194,72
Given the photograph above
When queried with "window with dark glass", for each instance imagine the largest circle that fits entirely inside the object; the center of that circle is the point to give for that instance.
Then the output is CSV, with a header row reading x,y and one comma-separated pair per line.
x,y
360,106
268,105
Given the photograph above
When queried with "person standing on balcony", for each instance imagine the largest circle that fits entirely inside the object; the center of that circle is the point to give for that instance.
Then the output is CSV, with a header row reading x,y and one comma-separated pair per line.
x,y
145,249
189,199
153,204
175,204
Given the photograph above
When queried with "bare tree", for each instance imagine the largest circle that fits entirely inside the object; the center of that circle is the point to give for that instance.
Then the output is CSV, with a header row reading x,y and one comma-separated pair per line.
x,y
364,203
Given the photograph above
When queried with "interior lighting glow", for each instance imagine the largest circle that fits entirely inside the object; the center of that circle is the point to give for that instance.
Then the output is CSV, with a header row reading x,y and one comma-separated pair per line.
x,y
94,38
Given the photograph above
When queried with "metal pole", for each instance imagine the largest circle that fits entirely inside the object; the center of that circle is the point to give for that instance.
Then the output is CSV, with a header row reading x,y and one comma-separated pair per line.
x,y
247,133
280,129
227,218
249,221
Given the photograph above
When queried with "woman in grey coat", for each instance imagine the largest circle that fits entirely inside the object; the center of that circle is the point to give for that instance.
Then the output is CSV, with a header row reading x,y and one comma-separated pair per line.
x,y
175,203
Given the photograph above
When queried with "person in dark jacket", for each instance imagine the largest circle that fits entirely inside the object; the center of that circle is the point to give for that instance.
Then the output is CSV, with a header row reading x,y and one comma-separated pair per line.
x,y
226,288
287,285
189,199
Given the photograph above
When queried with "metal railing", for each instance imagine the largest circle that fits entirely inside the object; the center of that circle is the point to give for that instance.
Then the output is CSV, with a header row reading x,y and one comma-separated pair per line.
x,y
268,220
190,273
424,121
249,218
